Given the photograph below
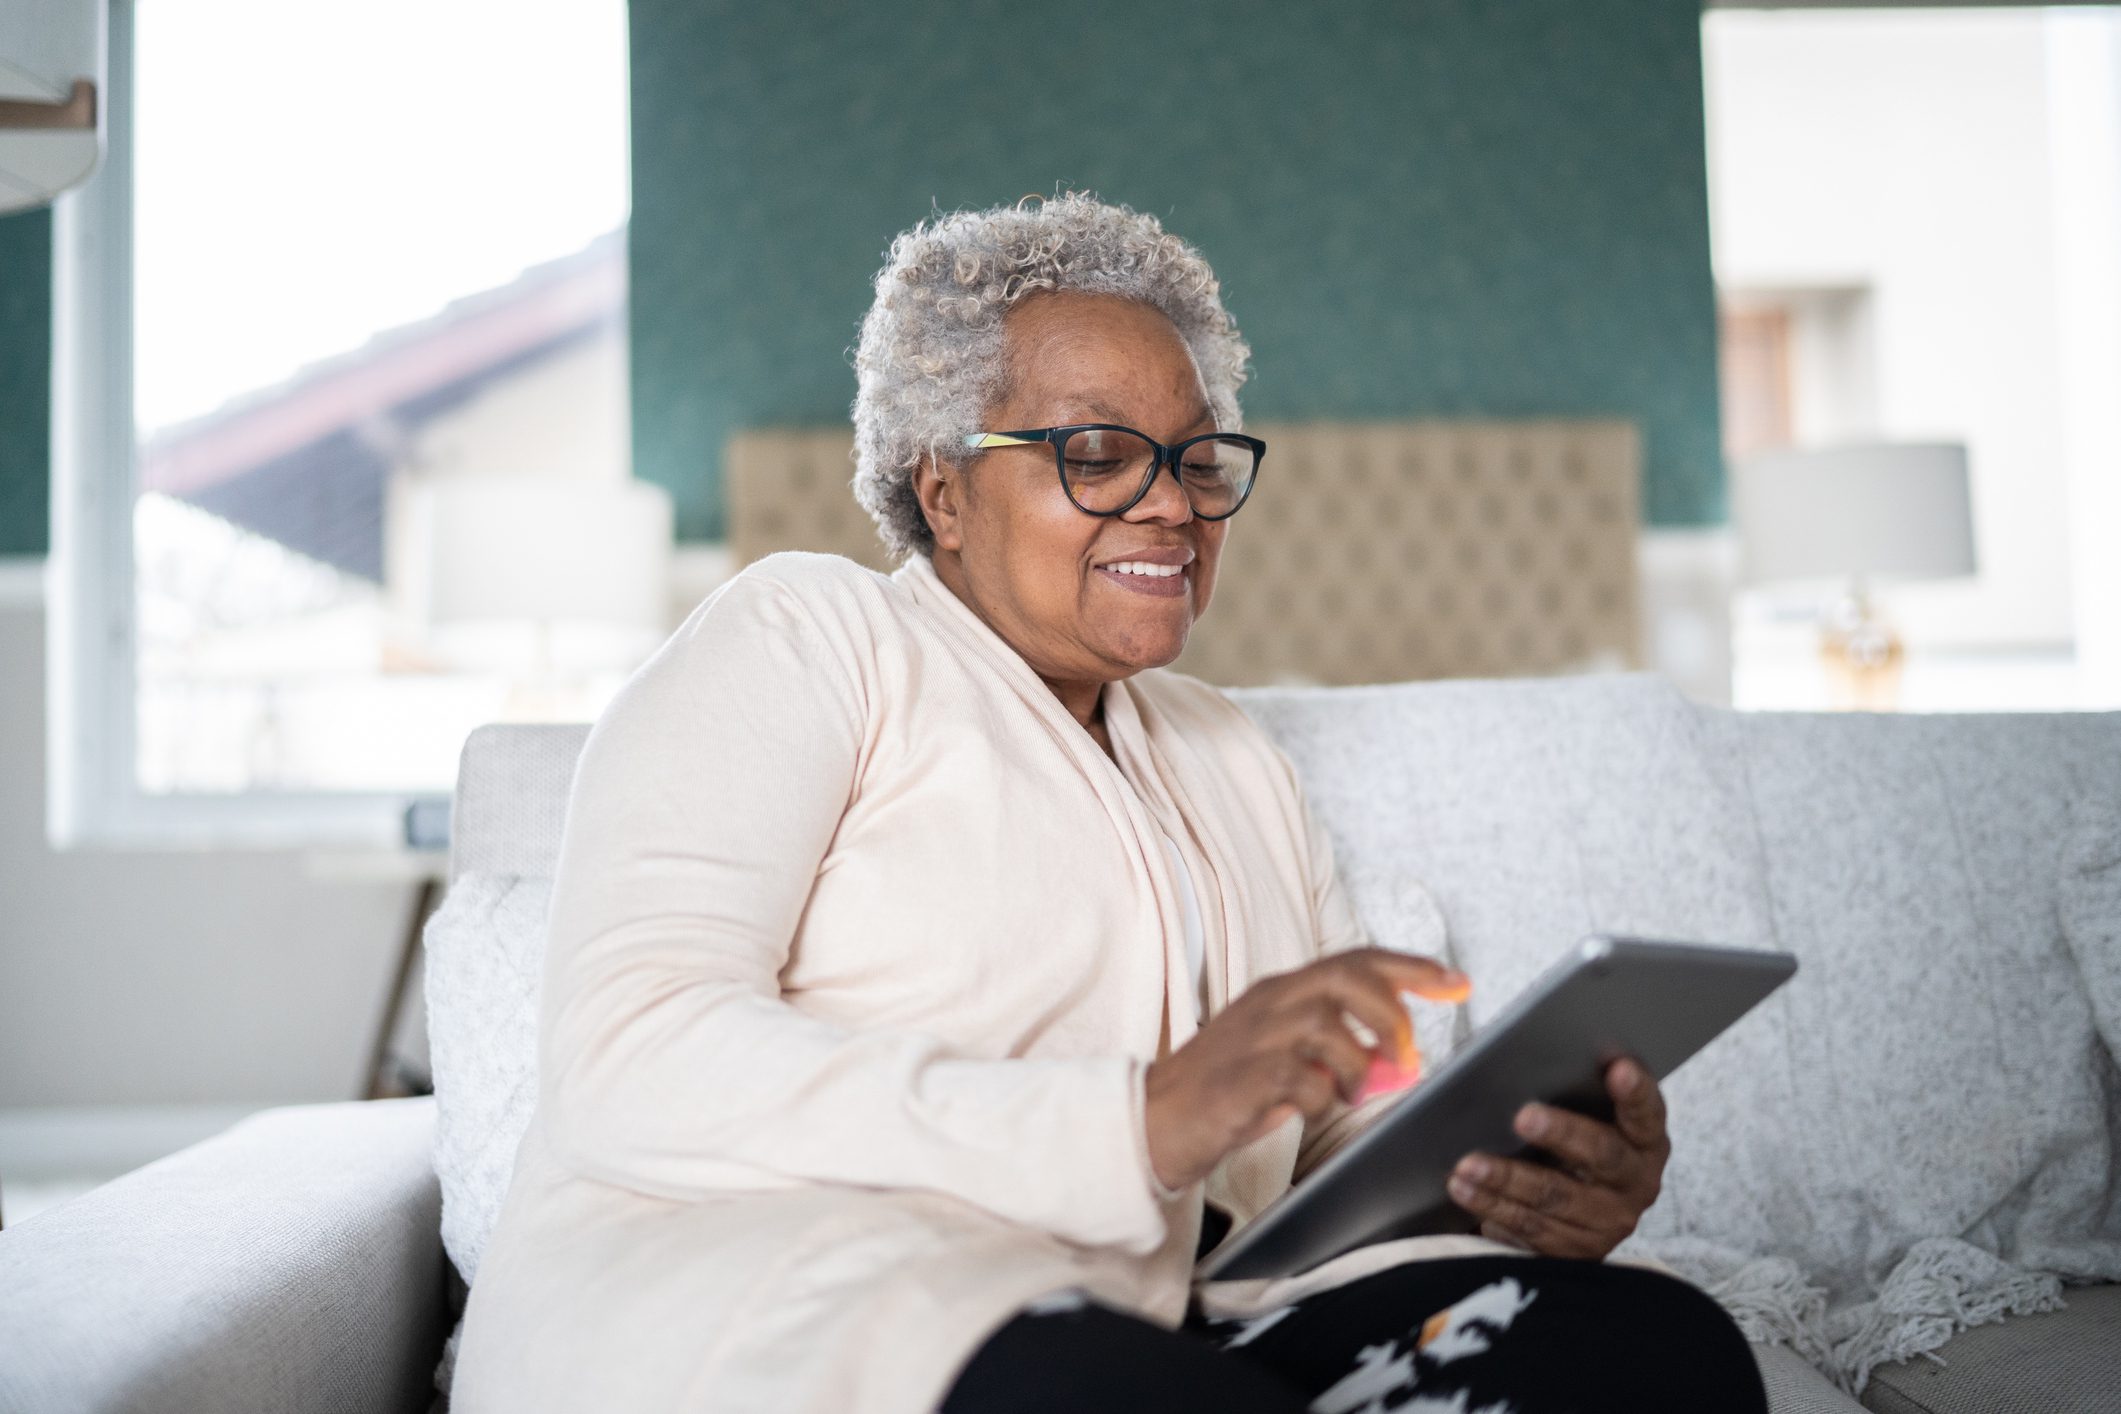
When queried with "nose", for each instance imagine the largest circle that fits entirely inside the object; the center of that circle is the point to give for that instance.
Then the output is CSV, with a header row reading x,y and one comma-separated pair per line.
x,y
1165,500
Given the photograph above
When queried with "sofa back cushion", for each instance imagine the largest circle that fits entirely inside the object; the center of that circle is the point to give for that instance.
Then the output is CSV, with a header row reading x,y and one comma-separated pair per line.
x,y
1943,1073
1537,812
485,956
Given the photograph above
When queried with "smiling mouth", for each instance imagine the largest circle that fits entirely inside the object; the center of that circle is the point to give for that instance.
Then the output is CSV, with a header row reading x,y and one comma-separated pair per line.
x,y
1149,581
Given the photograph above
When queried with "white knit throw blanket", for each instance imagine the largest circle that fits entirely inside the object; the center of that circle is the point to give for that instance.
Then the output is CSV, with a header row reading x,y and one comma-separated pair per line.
x,y
1912,1136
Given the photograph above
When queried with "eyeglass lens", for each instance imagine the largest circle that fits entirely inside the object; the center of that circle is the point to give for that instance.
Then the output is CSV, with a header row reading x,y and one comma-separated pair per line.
x,y
1104,469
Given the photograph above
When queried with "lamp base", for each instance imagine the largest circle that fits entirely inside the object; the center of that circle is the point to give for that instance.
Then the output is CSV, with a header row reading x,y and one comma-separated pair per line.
x,y
1863,657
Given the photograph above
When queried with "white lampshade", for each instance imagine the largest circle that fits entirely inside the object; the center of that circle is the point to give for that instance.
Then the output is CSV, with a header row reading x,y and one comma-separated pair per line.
x,y
1886,511
503,548
51,89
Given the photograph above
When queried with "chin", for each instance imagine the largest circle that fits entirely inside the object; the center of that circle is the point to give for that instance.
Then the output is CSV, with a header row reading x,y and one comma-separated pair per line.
x,y
1151,637
1159,652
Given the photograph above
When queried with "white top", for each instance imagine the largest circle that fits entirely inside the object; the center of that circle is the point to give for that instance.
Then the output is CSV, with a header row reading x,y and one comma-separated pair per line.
x,y
1189,908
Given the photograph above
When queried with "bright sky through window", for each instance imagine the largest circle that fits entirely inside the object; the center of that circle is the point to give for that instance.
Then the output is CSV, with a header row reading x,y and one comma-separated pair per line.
x,y
309,174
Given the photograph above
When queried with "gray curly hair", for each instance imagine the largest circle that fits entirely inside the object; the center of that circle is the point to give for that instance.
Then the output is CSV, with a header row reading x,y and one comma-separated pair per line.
x,y
930,357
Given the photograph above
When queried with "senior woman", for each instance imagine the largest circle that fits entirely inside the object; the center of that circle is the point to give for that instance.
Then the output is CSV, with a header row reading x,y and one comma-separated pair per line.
x,y
933,977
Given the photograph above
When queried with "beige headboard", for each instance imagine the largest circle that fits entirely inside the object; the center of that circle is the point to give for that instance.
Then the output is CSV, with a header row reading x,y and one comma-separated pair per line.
x,y
1369,552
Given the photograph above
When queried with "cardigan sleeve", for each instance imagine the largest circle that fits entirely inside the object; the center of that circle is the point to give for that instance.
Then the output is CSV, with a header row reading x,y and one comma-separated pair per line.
x,y
704,800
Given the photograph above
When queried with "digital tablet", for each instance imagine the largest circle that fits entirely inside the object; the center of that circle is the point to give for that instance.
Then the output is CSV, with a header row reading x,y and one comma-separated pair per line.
x,y
1606,998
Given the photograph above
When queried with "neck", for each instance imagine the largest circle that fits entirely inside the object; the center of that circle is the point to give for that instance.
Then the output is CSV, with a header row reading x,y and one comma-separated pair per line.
x,y
1084,700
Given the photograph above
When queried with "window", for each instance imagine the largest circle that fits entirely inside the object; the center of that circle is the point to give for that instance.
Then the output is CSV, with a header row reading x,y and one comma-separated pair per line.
x,y
339,255
1914,214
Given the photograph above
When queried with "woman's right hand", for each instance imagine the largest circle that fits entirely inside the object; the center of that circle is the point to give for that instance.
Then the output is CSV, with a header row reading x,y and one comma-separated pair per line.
x,y
1282,1048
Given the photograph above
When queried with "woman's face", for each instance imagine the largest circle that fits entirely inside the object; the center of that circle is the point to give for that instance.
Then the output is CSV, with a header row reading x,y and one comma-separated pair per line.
x,y
1012,545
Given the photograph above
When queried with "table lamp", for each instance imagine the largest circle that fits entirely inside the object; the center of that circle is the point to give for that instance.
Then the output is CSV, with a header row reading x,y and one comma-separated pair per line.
x,y
1848,518
496,550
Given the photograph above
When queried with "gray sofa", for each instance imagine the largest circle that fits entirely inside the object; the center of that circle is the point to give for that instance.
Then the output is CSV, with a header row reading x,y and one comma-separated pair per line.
x,y
1900,1174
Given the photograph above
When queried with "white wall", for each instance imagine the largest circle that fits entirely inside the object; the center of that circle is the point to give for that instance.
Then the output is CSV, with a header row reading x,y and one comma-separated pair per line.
x,y
1909,155
135,979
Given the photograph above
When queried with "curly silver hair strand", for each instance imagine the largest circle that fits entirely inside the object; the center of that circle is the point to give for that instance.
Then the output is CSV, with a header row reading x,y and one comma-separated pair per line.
x,y
930,356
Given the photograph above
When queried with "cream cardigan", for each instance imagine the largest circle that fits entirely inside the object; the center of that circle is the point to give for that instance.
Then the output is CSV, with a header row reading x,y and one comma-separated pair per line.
x,y
859,949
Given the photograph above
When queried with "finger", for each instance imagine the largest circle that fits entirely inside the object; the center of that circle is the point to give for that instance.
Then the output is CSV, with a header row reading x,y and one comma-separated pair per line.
x,y
1597,1150
1369,997
1326,1039
1638,1103
1423,976
1542,1232
1387,1077
1397,975
1496,1232
1308,1084
1548,1192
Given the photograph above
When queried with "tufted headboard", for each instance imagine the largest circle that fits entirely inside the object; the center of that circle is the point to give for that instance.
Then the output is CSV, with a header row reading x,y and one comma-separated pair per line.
x,y
1369,552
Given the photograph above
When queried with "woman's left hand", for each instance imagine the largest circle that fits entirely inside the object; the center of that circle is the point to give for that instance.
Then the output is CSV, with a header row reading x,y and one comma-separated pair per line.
x,y
1609,1174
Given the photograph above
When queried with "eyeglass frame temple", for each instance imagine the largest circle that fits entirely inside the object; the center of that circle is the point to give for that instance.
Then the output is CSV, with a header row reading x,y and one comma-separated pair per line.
x,y
1057,438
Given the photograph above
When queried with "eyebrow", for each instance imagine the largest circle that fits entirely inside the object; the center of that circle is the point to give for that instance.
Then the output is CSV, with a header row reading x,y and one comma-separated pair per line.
x,y
1112,414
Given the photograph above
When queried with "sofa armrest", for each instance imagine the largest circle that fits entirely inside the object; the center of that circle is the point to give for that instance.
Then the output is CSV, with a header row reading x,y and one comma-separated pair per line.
x,y
291,1264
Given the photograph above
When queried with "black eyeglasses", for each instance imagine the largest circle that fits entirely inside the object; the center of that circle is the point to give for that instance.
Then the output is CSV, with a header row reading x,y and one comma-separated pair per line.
x,y
1106,468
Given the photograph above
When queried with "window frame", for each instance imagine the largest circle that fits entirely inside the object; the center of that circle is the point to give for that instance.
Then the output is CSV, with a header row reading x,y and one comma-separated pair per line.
x,y
93,799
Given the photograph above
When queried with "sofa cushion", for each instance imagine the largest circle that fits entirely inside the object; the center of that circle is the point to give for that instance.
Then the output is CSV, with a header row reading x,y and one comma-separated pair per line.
x,y
1795,1387
2067,1360
1519,806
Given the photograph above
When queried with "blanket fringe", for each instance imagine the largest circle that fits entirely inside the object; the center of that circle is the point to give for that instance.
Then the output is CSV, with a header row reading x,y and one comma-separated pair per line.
x,y
1941,1287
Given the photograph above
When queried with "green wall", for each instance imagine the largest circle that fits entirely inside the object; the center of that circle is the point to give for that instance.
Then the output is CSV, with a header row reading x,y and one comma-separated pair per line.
x,y
1416,206
25,382
1420,207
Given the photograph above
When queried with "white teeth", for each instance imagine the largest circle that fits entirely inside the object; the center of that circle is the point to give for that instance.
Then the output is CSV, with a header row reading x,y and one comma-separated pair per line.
x,y
1144,567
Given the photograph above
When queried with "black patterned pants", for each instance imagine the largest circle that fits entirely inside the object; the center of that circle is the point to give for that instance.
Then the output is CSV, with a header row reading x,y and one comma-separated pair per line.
x,y
1472,1335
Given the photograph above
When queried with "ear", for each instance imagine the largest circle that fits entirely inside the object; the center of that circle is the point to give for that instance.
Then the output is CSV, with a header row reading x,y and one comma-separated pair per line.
x,y
940,490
